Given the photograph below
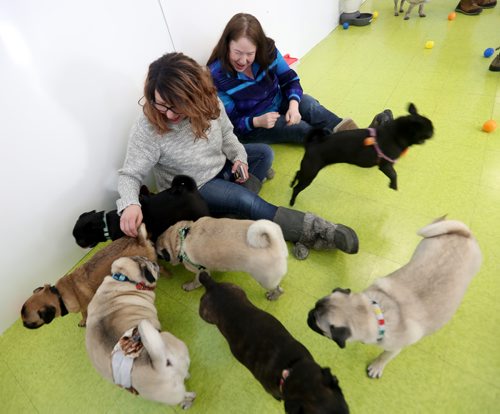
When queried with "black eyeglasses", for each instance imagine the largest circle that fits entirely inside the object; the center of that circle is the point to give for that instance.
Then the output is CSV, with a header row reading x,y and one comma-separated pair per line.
x,y
161,108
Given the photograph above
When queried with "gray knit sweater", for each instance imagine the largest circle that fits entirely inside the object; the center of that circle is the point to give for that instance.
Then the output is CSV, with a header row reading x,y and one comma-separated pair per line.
x,y
175,152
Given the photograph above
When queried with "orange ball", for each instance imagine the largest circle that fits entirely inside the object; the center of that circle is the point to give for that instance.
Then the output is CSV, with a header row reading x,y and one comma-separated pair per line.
x,y
452,16
489,126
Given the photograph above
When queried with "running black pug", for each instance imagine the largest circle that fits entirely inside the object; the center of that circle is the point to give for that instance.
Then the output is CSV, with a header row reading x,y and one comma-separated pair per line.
x,y
368,147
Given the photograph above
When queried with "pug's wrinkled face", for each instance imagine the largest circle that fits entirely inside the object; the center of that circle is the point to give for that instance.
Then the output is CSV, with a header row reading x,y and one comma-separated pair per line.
x,y
330,316
41,308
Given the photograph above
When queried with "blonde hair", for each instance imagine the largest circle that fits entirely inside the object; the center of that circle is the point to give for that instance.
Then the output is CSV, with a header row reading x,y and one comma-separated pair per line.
x,y
184,85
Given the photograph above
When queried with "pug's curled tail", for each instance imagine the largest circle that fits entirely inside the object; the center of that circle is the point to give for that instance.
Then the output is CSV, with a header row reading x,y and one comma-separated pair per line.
x,y
264,233
441,227
153,343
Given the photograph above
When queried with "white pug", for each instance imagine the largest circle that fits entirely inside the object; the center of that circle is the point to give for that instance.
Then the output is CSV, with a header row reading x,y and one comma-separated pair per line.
x,y
223,244
410,303
123,337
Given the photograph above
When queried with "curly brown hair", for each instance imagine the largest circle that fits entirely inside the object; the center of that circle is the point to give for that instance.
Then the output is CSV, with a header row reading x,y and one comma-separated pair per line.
x,y
185,85
244,25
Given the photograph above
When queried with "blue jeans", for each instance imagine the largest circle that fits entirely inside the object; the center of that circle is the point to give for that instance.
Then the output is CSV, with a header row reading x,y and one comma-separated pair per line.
x,y
225,197
314,115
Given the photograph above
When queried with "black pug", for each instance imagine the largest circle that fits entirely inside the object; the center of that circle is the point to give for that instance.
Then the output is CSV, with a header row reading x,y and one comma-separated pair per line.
x,y
366,148
283,366
182,201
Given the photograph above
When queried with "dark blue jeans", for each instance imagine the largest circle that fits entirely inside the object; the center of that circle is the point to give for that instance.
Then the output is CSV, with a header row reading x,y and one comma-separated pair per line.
x,y
225,197
314,115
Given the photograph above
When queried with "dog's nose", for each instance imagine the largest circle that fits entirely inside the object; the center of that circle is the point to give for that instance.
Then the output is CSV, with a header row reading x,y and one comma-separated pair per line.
x,y
31,325
311,322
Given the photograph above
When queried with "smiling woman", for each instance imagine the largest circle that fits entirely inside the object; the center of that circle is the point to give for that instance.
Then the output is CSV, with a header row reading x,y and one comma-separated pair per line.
x,y
261,93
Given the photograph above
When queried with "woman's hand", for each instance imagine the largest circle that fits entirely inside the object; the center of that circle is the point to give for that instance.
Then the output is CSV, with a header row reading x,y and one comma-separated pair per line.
x,y
236,165
267,120
131,219
293,116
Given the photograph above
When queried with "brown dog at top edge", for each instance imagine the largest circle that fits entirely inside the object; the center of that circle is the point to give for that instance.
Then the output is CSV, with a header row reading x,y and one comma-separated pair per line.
x,y
367,147
73,292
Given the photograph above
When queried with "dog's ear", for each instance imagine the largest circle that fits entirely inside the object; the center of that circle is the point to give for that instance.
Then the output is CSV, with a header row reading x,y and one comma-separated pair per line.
x,y
86,214
342,290
148,275
340,335
329,380
47,314
293,407
39,288
164,255
412,109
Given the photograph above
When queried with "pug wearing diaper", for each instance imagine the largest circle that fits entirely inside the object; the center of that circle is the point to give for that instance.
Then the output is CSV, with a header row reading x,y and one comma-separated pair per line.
x,y
124,339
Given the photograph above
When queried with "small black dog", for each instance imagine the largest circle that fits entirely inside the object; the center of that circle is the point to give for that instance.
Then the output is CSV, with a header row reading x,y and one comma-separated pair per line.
x,y
366,148
283,366
182,201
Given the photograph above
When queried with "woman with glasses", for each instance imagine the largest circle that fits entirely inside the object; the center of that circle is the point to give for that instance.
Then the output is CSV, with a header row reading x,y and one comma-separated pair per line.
x,y
261,93
184,129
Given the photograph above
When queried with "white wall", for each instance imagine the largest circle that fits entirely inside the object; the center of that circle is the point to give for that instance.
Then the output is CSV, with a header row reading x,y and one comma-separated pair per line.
x,y
70,76
295,25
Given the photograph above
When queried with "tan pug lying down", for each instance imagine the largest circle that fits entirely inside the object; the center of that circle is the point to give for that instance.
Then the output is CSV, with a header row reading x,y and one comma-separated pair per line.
x,y
255,247
410,303
123,337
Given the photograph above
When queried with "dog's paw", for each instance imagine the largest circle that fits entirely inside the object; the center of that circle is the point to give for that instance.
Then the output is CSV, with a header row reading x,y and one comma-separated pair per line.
x,y
407,18
275,293
375,369
422,15
189,286
300,251
82,323
393,186
188,400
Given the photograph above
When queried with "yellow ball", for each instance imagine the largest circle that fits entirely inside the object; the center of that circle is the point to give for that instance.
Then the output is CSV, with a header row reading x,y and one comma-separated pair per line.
x,y
489,126
429,44
375,14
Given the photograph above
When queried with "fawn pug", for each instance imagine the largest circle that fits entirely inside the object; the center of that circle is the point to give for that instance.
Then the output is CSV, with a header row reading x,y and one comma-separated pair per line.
x,y
410,303
222,244
412,4
124,340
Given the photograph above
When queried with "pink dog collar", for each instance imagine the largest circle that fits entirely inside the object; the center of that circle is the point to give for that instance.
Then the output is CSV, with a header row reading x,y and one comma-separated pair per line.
x,y
372,140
